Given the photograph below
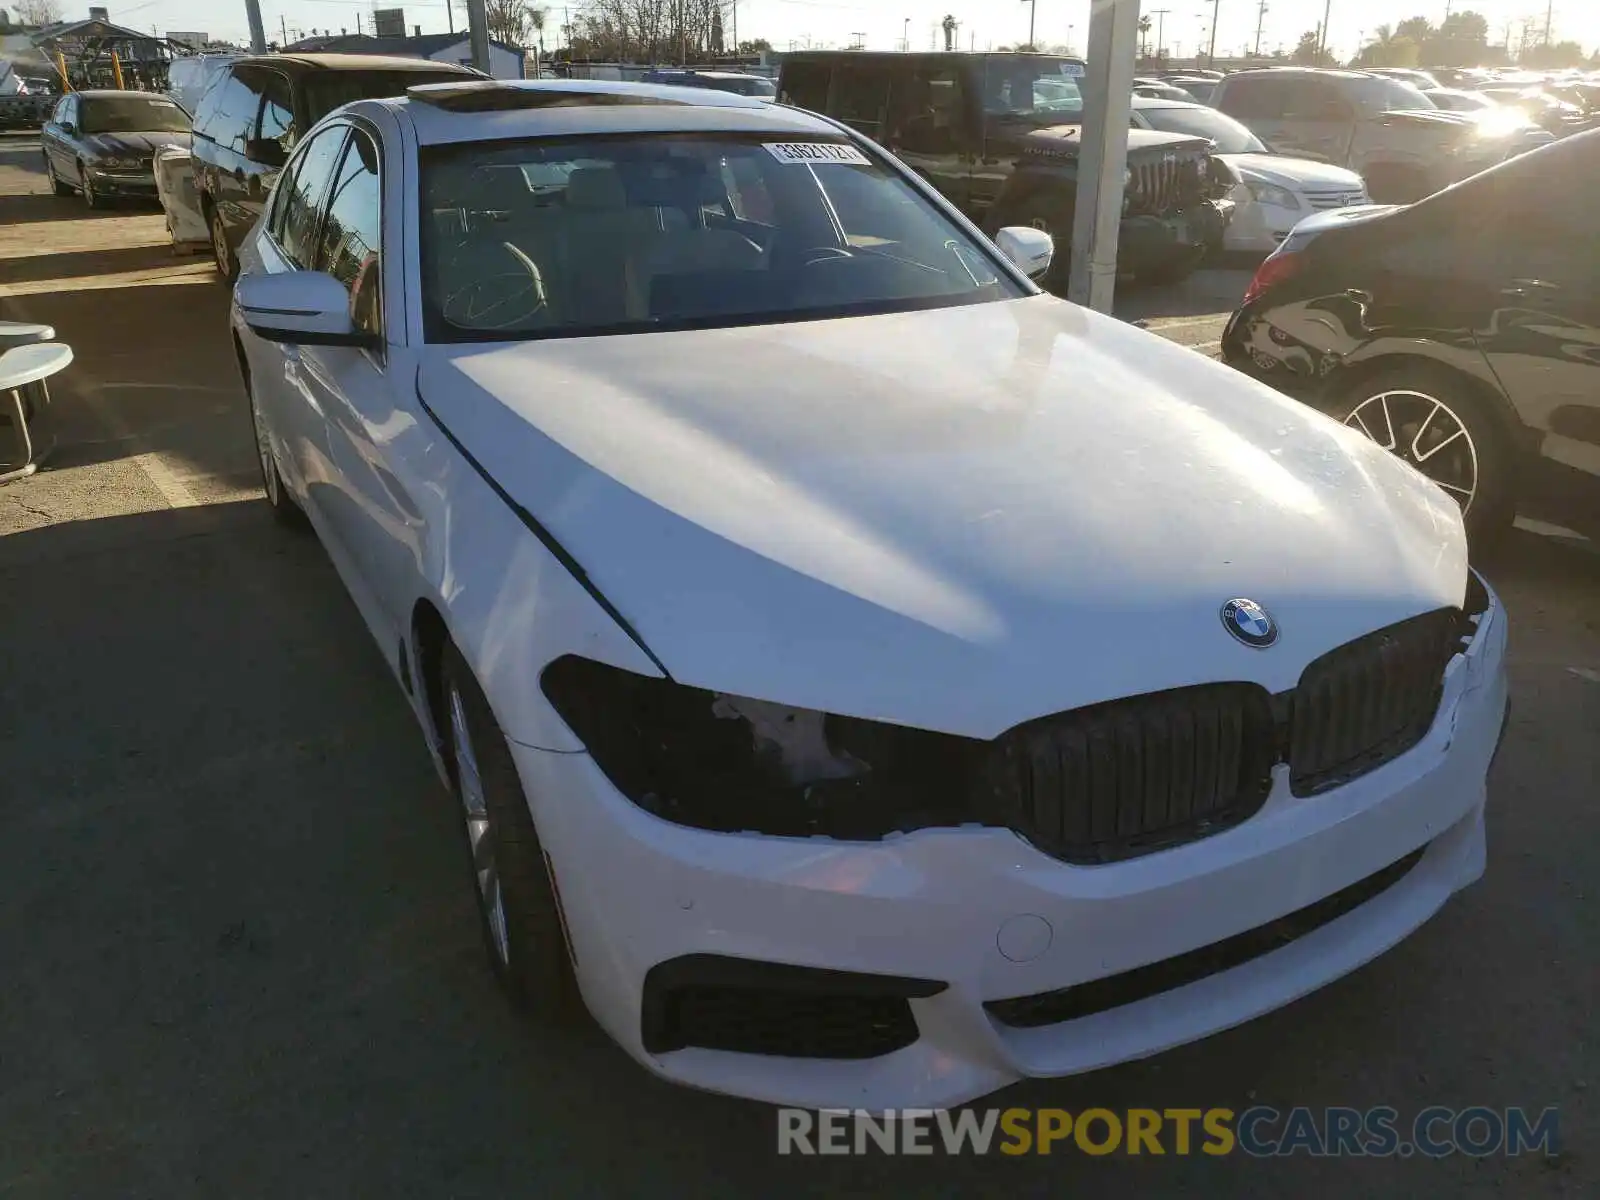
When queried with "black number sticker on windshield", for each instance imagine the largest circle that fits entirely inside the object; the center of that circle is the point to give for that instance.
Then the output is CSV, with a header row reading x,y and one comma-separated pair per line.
x,y
816,152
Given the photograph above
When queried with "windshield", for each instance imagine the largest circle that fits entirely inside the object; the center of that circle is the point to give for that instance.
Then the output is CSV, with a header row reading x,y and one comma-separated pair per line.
x,y
558,238
1226,134
751,86
132,114
1461,101
327,90
1378,93
1033,89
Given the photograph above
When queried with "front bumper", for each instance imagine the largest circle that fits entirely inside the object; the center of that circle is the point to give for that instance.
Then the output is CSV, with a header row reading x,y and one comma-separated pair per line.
x,y
986,914
1146,242
124,183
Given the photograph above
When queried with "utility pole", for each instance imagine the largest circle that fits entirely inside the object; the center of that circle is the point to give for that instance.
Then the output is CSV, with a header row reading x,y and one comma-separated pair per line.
x,y
1211,52
450,14
478,27
1103,152
1033,11
358,23
1322,38
258,35
1549,10
1261,19
283,27
1160,14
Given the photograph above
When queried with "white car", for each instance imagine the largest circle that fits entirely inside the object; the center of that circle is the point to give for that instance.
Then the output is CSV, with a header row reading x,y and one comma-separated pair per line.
x,y
1274,191
868,679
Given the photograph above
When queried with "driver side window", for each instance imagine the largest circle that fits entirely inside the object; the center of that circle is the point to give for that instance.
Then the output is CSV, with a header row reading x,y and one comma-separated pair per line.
x,y
350,248
302,201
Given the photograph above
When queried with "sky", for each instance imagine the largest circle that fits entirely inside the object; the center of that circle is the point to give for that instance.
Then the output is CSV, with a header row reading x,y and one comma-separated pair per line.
x,y
882,23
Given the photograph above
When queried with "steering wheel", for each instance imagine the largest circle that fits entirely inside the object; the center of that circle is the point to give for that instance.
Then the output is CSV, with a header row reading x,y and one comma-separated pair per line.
x,y
500,299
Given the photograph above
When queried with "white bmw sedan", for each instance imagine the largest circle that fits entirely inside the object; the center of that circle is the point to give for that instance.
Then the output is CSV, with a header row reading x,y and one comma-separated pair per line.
x,y
864,679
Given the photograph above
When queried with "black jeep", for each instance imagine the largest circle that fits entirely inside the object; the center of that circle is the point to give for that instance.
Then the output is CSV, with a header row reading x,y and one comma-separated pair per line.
x,y
999,135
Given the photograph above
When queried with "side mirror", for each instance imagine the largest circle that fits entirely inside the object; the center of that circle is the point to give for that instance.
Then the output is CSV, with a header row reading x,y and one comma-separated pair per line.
x,y
266,151
68,128
1030,250
299,308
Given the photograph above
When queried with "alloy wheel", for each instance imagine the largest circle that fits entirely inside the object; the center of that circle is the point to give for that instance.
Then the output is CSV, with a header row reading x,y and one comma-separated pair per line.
x,y
269,464
89,197
1425,432
480,832
219,246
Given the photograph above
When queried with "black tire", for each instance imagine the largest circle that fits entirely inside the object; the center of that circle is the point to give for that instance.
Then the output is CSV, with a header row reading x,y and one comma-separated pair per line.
x,y
284,509
1177,269
1409,390
222,254
1396,185
532,964
56,186
91,199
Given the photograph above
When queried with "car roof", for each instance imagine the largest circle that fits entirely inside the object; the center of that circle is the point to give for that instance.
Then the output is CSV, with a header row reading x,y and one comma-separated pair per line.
x,y
1165,102
1256,72
485,110
352,62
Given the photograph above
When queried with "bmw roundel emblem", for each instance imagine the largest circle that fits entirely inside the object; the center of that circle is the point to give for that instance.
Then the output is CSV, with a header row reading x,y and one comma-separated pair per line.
x,y
1250,623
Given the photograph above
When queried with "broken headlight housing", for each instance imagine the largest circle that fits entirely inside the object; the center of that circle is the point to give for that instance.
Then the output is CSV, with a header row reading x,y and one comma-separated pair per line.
x,y
716,761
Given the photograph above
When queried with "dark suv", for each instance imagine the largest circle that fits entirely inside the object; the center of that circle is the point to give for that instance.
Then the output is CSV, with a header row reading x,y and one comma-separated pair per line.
x,y
998,134
257,108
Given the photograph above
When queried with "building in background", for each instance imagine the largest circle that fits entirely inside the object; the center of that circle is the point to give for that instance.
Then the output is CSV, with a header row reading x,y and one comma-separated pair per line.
x,y
193,40
505,62
389,22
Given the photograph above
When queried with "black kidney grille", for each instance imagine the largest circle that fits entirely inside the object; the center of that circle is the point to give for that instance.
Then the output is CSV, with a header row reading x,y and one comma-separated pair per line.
x,y
1115,780
1369,701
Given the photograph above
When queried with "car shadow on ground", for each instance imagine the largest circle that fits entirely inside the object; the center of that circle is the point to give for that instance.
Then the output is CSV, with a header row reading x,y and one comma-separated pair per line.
x,y
243,960
43,206
153,371
80,264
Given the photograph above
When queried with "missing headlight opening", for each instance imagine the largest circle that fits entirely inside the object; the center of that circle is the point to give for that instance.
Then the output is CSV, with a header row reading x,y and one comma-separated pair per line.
x,y
734,764
1097,784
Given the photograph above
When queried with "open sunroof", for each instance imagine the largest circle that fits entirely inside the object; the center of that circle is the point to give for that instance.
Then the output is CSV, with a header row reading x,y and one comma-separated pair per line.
x,y
489,95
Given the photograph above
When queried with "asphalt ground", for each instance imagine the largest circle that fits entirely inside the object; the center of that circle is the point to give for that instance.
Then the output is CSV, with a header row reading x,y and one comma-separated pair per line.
x,y
238,953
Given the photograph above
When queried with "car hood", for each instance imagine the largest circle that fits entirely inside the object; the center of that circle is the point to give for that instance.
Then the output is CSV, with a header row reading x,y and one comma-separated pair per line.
x,y
1067,139
1292,172
135,145
956,519
1339,218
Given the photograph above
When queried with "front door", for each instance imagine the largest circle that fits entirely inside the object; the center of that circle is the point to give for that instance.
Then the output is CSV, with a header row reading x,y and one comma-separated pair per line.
x,y
366,505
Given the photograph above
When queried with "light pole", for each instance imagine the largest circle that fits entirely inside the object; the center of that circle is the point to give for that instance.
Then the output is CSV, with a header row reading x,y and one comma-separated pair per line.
x,y
1211,53
1322,47
905,36
258,35
1033,11
1160,14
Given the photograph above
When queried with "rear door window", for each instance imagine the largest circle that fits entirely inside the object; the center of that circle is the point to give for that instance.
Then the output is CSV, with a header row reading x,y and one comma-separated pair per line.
x,y
1259,97
228,113
277,111
861,97
805,85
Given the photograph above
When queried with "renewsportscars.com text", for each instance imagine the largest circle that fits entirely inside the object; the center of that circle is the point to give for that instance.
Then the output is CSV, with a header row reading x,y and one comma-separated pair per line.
x,y
1260,1132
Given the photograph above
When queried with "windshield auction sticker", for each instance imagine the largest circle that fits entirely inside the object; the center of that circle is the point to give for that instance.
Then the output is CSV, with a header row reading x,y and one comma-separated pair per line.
x,y
816,152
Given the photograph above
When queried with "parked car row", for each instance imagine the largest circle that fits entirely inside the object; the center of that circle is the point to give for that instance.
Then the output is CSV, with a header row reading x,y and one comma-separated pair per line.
x,y
784,726
1462,333
999,136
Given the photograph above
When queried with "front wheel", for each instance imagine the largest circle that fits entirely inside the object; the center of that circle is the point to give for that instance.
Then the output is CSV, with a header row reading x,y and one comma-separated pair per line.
x,y
1443,426
284,509
512,876
221,252
56,186
91,198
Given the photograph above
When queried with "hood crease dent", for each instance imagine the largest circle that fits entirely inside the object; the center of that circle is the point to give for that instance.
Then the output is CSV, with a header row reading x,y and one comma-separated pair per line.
x,y
1035,505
